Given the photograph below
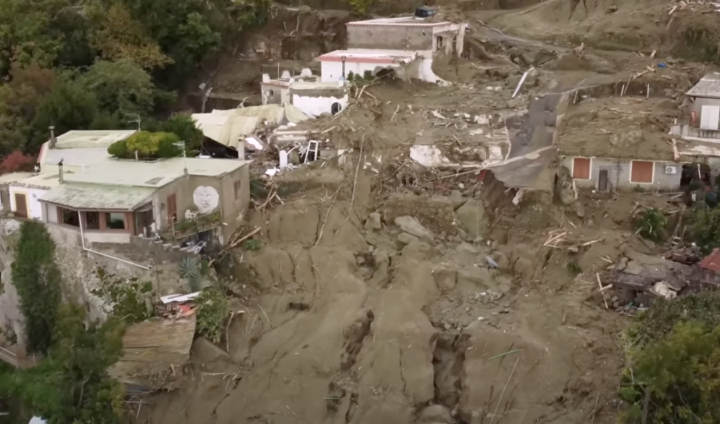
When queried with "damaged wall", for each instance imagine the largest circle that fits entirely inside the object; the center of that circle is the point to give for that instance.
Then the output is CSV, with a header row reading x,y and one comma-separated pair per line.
x,y
313,105
389,37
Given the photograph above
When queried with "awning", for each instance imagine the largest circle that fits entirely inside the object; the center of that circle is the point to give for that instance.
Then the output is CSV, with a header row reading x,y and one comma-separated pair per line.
x,y
98,197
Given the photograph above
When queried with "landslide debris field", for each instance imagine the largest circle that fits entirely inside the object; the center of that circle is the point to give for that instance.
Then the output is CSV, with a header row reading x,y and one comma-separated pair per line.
x,y
385,292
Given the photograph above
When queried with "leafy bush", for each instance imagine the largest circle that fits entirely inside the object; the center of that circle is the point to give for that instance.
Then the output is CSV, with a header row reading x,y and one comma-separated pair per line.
x,y
37,279
190,270
651,224
17,161
252,244
673,351
360,7
573,268
148,146
126,298
212,310
705,229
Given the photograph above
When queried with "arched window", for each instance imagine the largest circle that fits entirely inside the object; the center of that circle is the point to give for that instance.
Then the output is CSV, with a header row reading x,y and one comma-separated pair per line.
x,y
335,108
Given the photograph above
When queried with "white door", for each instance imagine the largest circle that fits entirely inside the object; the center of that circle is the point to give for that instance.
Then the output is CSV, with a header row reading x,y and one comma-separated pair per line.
x,y
709,117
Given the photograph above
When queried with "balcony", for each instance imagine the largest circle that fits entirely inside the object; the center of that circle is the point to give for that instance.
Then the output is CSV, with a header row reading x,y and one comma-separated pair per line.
x,y
189,227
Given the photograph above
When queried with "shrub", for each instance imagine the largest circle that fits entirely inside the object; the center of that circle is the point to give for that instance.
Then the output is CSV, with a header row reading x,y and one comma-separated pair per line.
x,y
651,224
17,161
212,310
705,229
252,244
148,146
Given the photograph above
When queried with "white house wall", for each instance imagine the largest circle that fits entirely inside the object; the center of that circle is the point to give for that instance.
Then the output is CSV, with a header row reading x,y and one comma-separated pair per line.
x,y
315,106
619,174
31,197
333,71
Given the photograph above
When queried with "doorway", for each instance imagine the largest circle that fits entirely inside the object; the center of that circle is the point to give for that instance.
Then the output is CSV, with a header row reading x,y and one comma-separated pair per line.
x,y
21,209
335,108
603,181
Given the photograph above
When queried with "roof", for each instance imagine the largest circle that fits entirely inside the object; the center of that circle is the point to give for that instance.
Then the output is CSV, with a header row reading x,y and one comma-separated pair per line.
x,y
316,86
369,56
86,139
711,261
81,148
228,127
119,172
406,21
709,86
40,181
153,351
95,197
14,176
618,127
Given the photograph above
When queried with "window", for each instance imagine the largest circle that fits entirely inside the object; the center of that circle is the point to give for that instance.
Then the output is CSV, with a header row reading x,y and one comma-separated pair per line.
x,y
92,220
581,168
335,108
439,43
237,189
115,221
69,217
642,172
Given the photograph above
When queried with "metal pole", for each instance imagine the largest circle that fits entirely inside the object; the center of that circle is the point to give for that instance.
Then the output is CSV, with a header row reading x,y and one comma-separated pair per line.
x,y
343,67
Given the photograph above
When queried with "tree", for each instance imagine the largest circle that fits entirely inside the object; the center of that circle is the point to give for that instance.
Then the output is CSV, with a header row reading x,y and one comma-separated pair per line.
x,y
18,105
673,353
17,161
67,107
72,384
183,125
118,36
36,278
120,87
705,229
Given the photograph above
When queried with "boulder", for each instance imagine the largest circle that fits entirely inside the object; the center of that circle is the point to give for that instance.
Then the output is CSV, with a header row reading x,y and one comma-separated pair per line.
x,y
411,226
435,414
205,352
472,218
374,222
405,239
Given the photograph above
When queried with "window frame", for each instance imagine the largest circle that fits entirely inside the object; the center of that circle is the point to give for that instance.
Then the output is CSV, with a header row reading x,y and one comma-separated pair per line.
x,y
590,168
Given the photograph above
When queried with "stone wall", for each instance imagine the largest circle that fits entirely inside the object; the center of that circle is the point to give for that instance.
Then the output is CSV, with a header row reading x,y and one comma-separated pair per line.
x,y
141,259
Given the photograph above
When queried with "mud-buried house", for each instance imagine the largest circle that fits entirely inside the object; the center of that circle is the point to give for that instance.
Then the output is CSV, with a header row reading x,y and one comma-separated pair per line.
x,y
635,151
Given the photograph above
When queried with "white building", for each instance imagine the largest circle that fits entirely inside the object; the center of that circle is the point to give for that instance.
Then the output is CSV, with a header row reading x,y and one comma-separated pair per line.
x,y
407,44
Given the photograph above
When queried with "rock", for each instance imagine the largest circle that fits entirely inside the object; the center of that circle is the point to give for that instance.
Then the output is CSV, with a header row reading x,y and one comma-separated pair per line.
x,y
579,209
634,268
406,239
436,414
445,279
456,198
374,222
614,299
463,235
472,218
467,247
500,259
623,264
567,196
360,260
204,351
411,226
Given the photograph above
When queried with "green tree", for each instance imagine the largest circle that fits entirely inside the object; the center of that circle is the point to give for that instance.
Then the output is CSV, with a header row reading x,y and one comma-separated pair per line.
x,y
673,353
72,384
37,280
121,87
18,105
705,228
68,106
183,125
117,36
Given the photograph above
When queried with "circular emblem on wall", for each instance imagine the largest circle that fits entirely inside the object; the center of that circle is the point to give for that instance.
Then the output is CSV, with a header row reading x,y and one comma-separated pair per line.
x,y
206,199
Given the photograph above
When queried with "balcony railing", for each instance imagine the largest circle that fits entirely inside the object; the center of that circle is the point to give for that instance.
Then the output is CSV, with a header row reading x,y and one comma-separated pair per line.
x,y
188,227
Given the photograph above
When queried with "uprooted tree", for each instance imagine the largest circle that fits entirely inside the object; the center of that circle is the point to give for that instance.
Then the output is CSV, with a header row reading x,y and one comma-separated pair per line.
x,y
673,353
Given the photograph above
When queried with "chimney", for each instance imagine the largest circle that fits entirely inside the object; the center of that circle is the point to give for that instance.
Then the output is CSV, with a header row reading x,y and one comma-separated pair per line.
x,y
60,172
53,140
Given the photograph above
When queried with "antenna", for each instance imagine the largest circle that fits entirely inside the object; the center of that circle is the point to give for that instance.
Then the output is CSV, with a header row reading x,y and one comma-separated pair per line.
x,y
135,119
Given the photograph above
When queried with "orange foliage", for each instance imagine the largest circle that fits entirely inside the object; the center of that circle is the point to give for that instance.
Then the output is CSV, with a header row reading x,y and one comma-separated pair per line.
x,y
16,162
